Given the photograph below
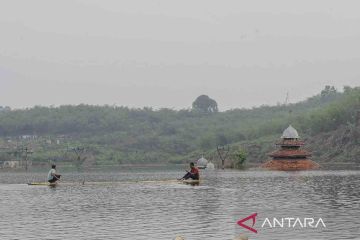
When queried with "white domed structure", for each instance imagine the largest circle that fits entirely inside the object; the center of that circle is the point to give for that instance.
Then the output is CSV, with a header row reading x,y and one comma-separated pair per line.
x,y
202,162
210,166
290,133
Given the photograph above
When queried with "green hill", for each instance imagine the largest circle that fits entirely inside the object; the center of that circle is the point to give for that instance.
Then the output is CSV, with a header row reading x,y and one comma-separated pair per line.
x,y
113,135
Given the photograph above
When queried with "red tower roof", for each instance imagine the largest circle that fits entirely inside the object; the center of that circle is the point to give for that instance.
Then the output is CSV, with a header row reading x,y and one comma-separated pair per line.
x,y
290,142
288,153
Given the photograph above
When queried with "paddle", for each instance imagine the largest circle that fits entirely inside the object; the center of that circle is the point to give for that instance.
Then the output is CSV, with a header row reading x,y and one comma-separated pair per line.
x,y
180,179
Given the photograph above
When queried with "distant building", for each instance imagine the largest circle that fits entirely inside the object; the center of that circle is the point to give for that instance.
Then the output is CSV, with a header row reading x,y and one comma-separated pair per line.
x,y
210,166
11,164
15,164
201,163
4,108
24,137
291,156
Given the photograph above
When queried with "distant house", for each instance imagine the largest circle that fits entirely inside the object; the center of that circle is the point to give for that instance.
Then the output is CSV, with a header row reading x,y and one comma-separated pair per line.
x,y
11,164
14,164
24,137
4,108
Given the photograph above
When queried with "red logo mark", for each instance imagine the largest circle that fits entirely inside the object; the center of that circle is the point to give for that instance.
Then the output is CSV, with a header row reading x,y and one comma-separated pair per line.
x,y
253,217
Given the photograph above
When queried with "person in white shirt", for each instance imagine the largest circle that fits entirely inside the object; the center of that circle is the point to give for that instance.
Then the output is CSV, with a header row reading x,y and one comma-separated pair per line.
x,y
52,176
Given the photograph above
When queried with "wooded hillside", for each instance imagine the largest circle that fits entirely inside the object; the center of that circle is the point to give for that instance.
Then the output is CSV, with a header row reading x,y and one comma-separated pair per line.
x,y
112,134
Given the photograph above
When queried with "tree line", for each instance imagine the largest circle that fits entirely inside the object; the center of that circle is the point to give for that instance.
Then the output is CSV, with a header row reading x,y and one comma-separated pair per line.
x,y
146,135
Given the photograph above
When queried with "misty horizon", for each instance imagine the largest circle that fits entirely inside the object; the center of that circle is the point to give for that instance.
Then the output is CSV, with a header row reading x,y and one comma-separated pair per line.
x,y
163,55
285,102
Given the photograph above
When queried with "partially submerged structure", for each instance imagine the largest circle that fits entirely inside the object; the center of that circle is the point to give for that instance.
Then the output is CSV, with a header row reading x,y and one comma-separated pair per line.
x,y
202,162
210,166
291,156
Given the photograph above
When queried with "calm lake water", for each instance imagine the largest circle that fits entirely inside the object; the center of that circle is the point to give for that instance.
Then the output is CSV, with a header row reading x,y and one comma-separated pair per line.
x,y
123,209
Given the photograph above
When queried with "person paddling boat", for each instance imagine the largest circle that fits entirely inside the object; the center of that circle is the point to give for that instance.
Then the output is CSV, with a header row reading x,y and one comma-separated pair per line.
x,y
52,175
194,173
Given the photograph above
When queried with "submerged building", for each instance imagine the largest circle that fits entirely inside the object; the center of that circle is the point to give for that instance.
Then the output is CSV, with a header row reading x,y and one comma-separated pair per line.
x,y
202,162
290,156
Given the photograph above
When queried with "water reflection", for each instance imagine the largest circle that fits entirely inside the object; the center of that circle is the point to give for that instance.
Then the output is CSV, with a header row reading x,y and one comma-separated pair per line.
x,y
129,210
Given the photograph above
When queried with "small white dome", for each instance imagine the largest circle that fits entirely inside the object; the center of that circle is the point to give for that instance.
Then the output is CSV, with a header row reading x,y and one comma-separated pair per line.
x,y
202,162
290,132
210,166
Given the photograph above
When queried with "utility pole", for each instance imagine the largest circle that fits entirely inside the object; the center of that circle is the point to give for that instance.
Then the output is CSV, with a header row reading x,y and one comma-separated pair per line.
x,y
22,155
286,99
223,153
25,152
79,151
26,159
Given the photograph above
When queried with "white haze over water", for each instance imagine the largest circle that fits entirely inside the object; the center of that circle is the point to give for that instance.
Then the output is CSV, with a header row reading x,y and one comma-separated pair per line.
x,y
165,53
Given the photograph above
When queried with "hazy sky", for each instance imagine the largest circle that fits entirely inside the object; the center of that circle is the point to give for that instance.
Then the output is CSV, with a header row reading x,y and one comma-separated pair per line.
x,y
165,53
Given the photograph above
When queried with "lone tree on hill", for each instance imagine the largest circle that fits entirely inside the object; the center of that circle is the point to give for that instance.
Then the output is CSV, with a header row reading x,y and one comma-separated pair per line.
x,y
328,90
205,104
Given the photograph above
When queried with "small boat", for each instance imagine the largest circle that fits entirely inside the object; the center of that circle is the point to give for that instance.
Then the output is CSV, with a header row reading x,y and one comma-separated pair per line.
x,y
42,184
187,181
190,181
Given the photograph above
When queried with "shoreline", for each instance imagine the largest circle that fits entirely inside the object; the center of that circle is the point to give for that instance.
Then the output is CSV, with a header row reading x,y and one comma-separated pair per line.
x,y
248,167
